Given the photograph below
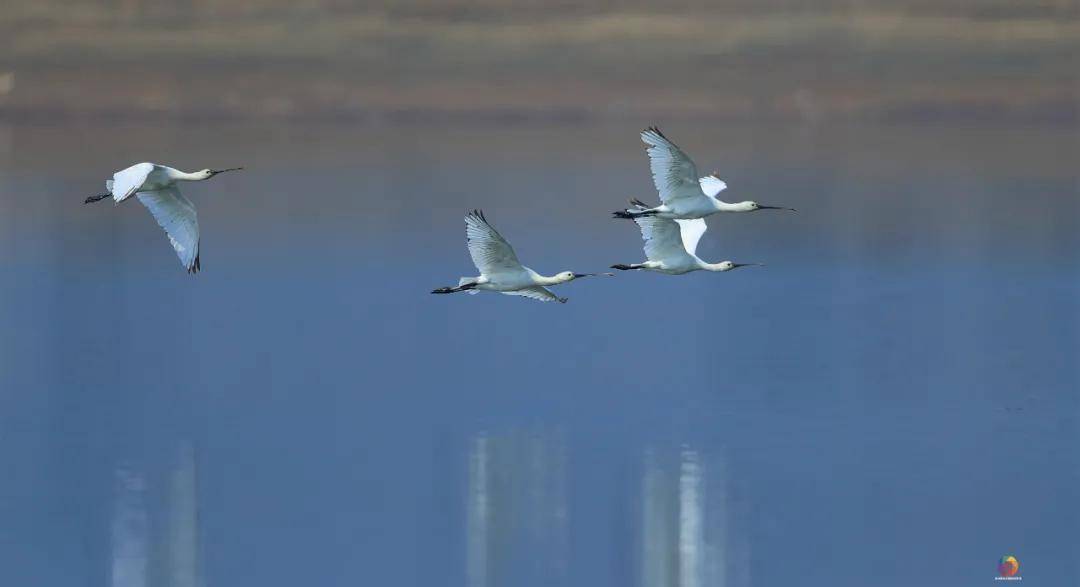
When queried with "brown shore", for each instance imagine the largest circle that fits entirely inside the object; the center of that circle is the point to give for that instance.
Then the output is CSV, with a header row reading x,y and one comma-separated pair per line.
x,y
215,60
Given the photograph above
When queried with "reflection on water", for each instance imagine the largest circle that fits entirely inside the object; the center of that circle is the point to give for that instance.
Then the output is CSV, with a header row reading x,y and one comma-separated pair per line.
x,y
130,528
182,530
155,534
691,530
517,518
685,538
904,366
479,514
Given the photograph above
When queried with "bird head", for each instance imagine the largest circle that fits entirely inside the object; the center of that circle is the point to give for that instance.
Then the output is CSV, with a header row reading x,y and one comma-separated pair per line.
x,y
752,206
729,265
208,173
570,275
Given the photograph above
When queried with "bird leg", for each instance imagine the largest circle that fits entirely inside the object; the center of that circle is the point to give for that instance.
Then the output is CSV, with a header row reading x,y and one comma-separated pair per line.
x,y
96,198
450,290
631,214
624,267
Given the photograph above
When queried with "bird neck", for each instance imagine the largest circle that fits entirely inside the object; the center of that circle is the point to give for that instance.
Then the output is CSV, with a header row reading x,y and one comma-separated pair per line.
x,y
178,175
717,267
553,280
736,207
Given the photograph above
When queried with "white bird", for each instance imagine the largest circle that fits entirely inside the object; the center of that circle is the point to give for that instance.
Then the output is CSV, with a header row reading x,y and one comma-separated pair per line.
x,y
155,186
671,246
683,194
500,269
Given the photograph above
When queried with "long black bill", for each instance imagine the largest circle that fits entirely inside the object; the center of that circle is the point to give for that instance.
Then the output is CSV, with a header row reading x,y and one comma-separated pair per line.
x,y
737,265
214,172
577,275
760,207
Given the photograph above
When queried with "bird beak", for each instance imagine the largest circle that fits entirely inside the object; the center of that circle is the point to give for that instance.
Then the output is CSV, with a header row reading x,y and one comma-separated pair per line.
x,y
776,208
214,172
737,265
577,275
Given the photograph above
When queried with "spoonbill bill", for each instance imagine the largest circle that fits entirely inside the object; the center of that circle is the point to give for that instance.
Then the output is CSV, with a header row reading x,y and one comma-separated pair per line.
x,y
683,194
671,245
156,187
500,269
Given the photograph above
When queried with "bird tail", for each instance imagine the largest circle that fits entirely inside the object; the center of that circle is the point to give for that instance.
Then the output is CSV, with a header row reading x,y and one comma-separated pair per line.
x,y
468,283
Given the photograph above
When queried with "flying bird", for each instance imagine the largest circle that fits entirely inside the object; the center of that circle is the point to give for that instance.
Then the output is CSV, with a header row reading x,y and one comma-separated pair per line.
x,y
683,194
671,245
500,269
156,187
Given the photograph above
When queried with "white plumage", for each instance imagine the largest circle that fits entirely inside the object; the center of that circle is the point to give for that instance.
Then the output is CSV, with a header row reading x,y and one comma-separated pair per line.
x,y
156,187
671,247
674,173
683,193
499,267
176,215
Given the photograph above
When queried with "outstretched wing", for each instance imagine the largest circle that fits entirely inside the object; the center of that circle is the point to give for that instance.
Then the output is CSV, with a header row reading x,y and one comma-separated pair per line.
x,y
537,293
712,185
663,239
674,173
128,181
489,250
691,231
176,215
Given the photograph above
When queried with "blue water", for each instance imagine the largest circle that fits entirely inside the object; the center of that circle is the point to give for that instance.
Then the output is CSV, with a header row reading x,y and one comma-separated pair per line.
x,y
892,399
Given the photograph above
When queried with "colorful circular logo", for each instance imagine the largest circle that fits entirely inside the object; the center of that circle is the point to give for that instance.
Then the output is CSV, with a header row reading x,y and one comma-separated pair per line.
x,y
1008,566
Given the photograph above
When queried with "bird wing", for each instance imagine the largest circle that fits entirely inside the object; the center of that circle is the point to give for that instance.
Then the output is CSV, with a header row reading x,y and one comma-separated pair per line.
x,y
674,173
128,181
489,250
537,293
176,214
691,231
663,240
712,185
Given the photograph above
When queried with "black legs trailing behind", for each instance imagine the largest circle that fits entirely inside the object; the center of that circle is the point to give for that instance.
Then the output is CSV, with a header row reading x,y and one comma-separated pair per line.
x,y
450,290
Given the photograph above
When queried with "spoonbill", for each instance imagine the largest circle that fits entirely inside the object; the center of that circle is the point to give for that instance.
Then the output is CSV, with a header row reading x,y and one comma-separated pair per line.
x,y
500,269
683,195
156,187
670,246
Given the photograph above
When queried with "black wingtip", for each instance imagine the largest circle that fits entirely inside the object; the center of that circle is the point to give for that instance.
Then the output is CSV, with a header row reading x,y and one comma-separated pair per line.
x,y
195,266
479,215
622,214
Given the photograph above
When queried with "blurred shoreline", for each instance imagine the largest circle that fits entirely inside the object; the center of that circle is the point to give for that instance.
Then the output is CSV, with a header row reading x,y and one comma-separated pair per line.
x,y
207,60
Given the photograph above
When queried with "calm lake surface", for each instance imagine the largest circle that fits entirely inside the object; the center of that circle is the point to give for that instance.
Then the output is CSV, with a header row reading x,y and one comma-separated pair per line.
x,y
893,398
